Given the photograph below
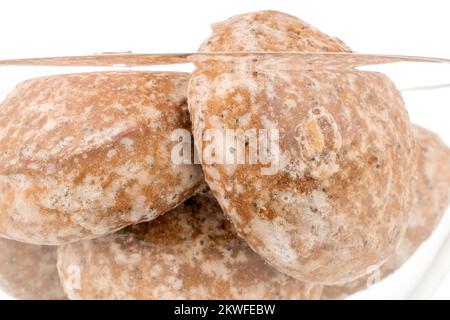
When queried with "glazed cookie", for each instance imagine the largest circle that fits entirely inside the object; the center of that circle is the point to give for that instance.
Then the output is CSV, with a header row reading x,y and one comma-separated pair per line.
x,y
269,31
433,185
84,155
189,253
28,271
335,196
430,202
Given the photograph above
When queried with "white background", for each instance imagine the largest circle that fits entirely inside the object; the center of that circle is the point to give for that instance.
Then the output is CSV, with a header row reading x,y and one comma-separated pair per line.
x,y
53,28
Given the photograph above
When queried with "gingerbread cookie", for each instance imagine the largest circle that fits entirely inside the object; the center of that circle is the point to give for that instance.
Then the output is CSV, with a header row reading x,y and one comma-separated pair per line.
x,y
189,253
84,155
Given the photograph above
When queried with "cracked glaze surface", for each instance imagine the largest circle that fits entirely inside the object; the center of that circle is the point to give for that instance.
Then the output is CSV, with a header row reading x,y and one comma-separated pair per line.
x,y
189,253
341,197
84,155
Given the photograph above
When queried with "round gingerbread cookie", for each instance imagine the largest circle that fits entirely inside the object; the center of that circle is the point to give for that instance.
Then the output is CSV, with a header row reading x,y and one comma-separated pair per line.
x,y
431,199
29,271
84,155
337,196
189,253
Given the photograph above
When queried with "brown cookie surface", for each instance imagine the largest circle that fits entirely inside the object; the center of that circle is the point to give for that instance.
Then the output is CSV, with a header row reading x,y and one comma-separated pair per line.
x,y
269,31
87,154
431,199
189,253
